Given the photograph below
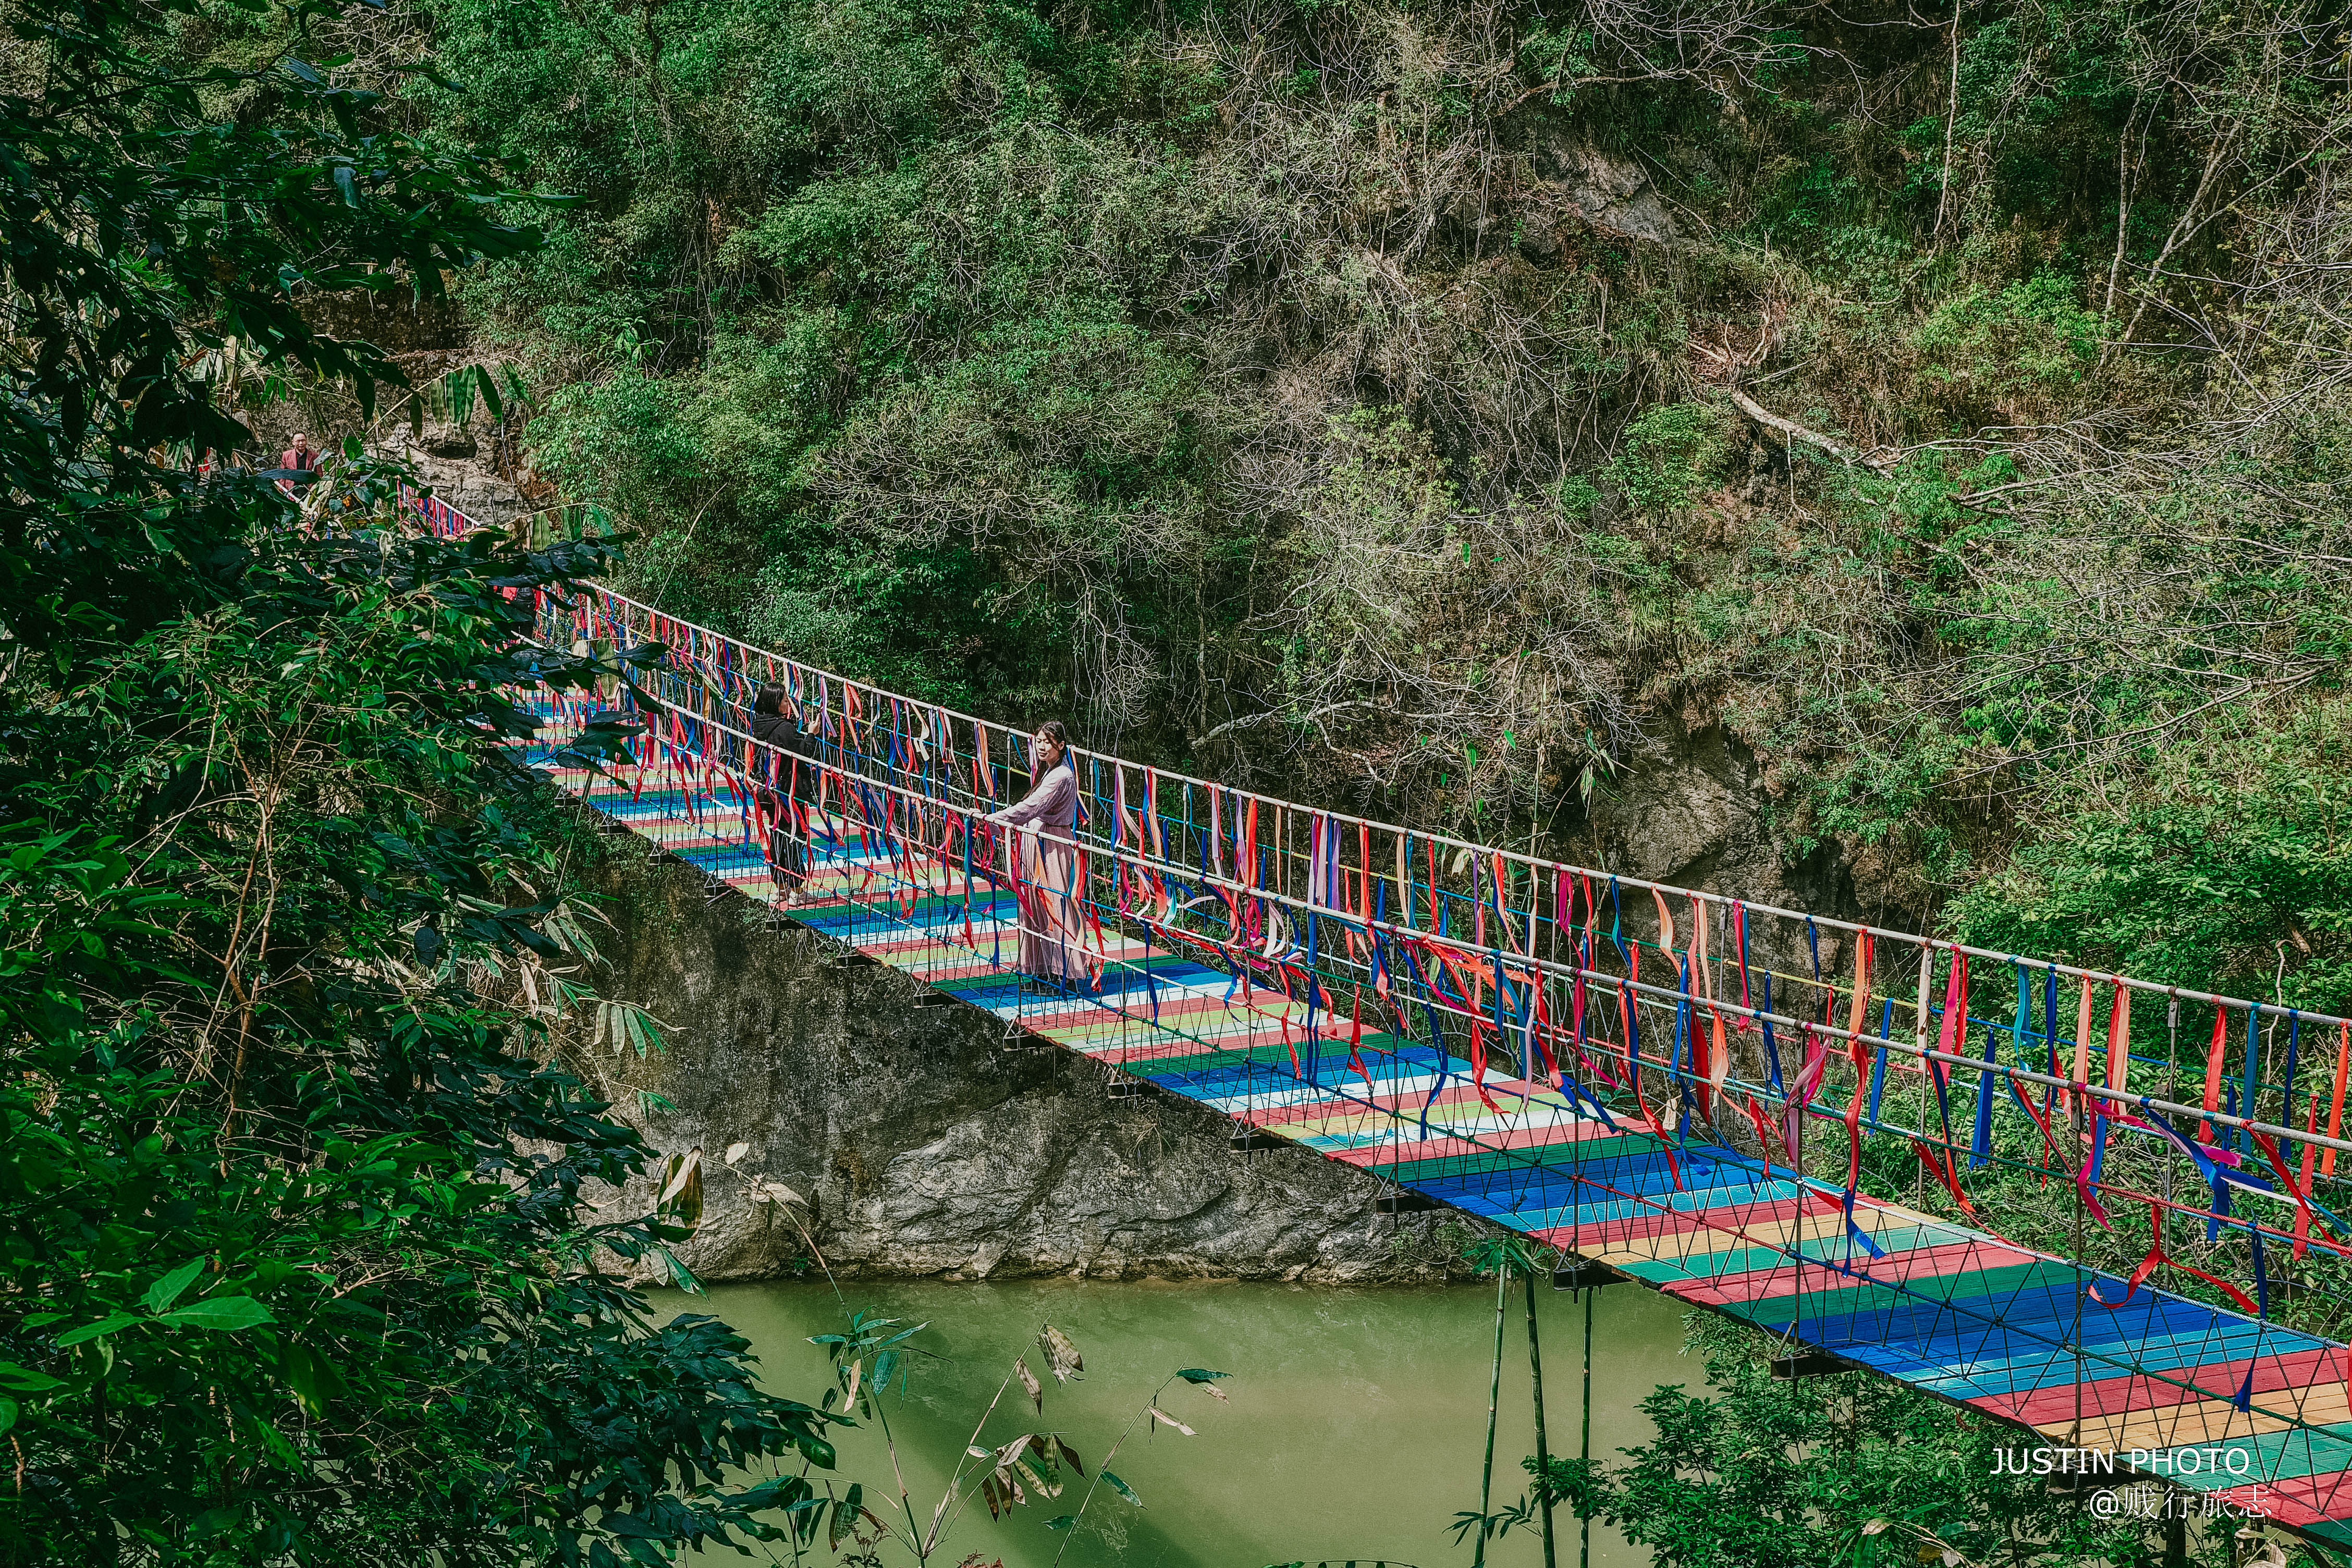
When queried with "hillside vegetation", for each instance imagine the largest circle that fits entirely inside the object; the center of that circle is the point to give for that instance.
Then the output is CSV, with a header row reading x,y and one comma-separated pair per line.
x,y
1450,407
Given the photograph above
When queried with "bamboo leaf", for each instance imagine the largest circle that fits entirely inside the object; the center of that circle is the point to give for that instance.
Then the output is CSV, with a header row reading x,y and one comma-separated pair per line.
x,y
226,1313
313,1379
1164,1418
681,1189
1029,1381
105,1325
489,387
1204,1380
1038,1481
1063,1355
1122,1489
23,1380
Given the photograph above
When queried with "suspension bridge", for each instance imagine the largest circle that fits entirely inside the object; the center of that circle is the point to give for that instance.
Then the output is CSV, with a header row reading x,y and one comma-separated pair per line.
x,y
1667,1084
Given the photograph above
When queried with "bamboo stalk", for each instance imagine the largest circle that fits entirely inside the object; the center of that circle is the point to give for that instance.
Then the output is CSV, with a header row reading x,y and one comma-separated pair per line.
x,y
1493,1400
1543,1450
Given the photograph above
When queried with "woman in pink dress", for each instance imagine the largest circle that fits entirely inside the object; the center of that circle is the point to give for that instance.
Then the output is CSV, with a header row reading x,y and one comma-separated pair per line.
x,y
1045,845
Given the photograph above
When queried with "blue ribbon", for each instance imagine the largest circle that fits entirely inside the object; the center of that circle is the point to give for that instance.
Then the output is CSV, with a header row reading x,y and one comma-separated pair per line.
x,y
1980,1143
1878,1072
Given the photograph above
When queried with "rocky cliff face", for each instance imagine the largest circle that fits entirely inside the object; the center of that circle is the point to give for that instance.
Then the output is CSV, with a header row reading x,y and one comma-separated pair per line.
x,y
456,465
922,1144
1697,810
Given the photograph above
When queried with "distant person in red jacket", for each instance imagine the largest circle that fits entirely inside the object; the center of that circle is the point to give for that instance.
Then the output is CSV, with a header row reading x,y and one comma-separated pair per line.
x,y
298,455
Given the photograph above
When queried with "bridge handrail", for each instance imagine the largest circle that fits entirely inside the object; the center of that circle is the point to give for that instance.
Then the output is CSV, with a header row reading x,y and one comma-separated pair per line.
x,y
1938,944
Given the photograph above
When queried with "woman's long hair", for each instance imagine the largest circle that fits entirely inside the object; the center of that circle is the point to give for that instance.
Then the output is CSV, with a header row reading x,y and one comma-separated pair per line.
x,y
1053,731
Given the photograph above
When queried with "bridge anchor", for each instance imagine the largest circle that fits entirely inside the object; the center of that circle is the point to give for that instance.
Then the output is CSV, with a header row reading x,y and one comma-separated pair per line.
x,y
1406,1202
1251,1138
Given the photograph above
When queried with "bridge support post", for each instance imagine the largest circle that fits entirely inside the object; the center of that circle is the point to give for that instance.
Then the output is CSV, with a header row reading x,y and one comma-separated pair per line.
x,y
1808,1364
1402,1202
1583,1274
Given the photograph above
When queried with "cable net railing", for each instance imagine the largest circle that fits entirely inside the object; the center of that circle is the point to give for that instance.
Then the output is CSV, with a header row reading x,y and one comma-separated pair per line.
x,y
1711,1095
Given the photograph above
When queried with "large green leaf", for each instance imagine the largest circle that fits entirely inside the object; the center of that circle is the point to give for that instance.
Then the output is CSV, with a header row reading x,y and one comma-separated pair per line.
x,y
227,1314
23,1380
108,1325
166,1290
312,1377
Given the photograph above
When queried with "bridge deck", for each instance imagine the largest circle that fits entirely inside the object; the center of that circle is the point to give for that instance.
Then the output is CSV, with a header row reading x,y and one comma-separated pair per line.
x,y
2239,1409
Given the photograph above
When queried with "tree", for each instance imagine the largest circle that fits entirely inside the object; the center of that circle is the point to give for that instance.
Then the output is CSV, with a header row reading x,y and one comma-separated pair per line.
x,y
296,1260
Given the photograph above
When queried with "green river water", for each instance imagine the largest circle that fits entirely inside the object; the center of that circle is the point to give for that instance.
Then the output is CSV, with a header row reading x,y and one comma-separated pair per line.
x,y
1353,1427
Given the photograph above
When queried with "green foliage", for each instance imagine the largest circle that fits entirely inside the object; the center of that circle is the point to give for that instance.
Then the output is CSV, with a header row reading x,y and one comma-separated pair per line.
x,y
1670,453
2023,338
297,1228
2225,859
1826,1472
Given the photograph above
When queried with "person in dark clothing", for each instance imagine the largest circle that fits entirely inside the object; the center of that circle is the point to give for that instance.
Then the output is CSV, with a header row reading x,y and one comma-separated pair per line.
x,y
786,762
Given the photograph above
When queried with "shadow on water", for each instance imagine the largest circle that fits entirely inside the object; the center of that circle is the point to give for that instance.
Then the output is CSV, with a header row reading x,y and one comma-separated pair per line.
x,y
1353,1428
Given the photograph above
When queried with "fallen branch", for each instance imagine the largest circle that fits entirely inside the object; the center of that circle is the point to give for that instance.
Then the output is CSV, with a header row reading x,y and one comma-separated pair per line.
x,y
1791,428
